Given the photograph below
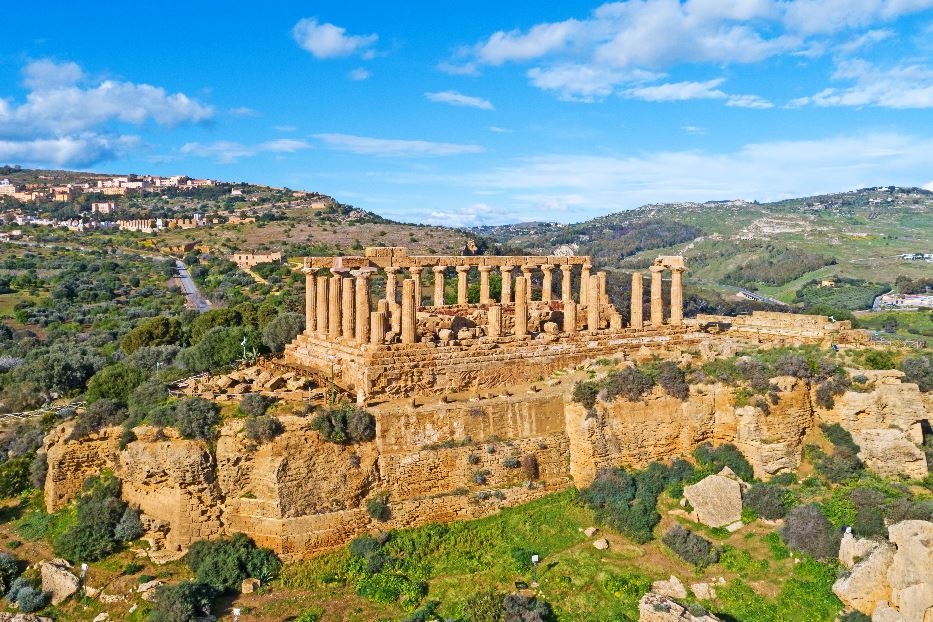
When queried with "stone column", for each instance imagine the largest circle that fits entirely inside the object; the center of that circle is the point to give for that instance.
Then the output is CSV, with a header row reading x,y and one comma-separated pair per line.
x,y
333,308
592,304
603,296
346,308
677,296
391,284
494,321
462,290
638,301
521,307
657,304
570,317
585,282
416,278
548,271
310,300
526,273
484,298
439,285
323,305
506,270
362,304
566,293
377,327
409,312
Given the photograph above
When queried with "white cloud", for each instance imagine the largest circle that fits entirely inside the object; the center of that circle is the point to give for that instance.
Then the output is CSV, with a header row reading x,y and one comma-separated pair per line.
x,y
459,99
541,184
683,91
365,145
500,130
325,40
899,87
74,122
80,150
359,74
45,73
693,129
228,152
469,216
619,42
243,111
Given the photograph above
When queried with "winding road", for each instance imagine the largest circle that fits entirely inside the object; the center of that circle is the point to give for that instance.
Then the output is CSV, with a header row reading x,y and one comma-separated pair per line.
x,y
195,298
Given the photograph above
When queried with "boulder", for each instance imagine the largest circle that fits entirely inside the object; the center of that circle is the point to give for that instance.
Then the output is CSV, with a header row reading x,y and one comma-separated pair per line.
x,y
100,617
250,585
672,587
660,608
703,591
866,585
716,499
602,544
890,452
58,580
910,574
590,532
853,549
148,589
23,617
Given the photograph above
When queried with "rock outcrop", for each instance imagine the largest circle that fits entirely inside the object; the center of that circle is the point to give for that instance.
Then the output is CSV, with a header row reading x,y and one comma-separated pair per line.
x,y
894,583
451,460
659,608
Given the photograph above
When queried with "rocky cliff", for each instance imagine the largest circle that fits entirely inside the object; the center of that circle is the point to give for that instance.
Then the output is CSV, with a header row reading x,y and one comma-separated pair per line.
x,y
444,461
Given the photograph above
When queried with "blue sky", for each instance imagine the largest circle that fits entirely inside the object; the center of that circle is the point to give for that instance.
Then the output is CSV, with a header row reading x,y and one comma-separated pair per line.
x,y
481,112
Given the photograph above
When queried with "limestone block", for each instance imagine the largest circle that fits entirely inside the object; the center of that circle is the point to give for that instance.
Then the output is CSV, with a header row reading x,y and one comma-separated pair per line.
x,y
58,580
703,591
660,608
890,453
672,587
910,574
866,584
250,585
716,500
853,549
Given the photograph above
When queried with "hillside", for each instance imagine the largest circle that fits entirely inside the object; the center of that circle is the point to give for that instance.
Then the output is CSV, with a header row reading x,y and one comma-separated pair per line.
x,y
773,248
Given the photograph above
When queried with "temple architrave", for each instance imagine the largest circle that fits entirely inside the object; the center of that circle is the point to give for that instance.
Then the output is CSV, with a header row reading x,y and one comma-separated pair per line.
x,y
406,340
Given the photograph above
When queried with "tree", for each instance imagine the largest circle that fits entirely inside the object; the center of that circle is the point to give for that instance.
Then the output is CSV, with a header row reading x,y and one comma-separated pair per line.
x,y
14,476
204,323
183,602
157,331
282,330
254,404
114,382
224,563
99,510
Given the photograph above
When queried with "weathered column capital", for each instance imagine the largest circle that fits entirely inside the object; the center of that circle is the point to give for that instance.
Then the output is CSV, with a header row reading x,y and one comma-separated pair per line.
x,y
654,269
310,271
363,273
416,270
484,268
506,267
438,269
392,269
463,268
547,267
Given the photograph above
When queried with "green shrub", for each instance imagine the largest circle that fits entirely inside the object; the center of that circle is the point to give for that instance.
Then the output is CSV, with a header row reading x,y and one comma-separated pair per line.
x,y
114,382
29,599
839,436
99,510
255,404
521,559
775,546
673,380
483,606
9,571
690,547
345,423
183,602
378,507
807,530
15,476
196,417
311,615
520,608
767,501
919,370
157,331
854,616
511,462
262,429
224,563
630,383
282,330
741,561
146,398
879,359
101,414
131,568
842,465
130,527
723,456
585,393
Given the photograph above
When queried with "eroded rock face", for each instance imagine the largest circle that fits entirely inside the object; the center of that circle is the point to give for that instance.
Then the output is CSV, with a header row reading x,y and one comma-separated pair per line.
x,y
72,462
852,549
866,585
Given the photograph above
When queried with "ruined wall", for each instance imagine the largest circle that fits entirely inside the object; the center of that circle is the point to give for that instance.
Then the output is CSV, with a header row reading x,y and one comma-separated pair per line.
x,y
299,494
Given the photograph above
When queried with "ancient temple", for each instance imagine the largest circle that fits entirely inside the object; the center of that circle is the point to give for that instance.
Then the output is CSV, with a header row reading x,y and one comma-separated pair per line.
x,y
406,340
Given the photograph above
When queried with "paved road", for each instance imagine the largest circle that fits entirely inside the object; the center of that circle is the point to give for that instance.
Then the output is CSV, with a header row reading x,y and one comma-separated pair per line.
x,y
195,298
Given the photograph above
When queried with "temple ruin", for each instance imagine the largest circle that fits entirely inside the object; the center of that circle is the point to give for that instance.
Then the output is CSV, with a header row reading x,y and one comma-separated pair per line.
x,y
405,339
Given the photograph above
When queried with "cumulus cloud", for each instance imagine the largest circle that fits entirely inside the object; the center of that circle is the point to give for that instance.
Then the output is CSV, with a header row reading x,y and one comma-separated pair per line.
x,y
455,98
359,74
65,119
899,87
472,215
325,40
366,145
228,152
619,42
683,91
